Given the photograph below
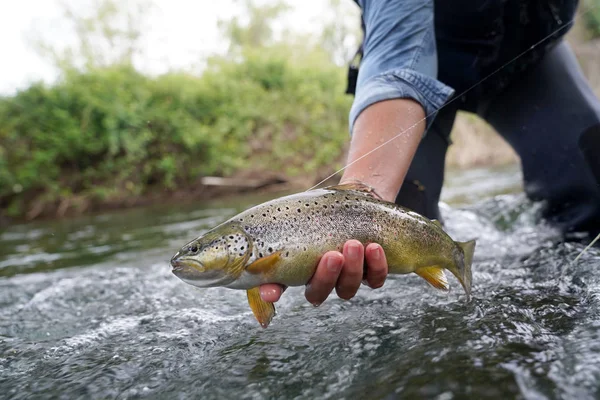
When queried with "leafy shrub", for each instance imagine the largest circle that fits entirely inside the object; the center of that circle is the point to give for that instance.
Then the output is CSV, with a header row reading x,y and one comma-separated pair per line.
x,y
112,133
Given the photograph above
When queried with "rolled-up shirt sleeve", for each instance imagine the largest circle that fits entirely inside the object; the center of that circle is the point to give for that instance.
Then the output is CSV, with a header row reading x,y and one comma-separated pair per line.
x,y
399,57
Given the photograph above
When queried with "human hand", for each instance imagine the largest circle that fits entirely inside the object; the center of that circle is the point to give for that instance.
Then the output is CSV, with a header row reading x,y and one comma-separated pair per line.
x,y
343,271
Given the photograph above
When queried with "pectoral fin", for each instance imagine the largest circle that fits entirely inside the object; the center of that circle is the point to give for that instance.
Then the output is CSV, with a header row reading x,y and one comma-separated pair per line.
x,y
435,276
264,265
263,311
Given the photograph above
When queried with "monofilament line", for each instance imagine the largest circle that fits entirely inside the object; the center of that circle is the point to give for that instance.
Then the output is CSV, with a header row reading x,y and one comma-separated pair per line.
x,y
589,246
566,25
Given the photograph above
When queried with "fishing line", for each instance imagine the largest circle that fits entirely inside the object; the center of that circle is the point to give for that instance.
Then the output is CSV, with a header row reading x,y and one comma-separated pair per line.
x,y
589,246
566,25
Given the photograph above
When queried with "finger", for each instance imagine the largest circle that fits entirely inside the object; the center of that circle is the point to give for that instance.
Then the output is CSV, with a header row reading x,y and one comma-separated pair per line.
x,y
271,292
325,277
377,268
352,273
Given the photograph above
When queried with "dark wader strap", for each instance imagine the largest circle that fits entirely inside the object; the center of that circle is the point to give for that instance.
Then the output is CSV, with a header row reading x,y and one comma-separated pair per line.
x,y
353,71
355,62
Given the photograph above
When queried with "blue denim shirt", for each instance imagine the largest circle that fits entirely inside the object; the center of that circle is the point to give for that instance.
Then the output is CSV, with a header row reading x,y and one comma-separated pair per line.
x,y
399,57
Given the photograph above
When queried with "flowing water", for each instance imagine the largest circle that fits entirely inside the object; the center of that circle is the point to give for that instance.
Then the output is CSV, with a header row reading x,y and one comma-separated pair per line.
x,y
89,309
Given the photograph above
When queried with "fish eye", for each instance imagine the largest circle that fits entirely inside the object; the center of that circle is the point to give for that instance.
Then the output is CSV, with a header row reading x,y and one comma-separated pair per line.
x,y
194,248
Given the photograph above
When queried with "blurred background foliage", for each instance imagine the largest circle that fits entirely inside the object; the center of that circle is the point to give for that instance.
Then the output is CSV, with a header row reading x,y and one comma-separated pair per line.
x,y
106,133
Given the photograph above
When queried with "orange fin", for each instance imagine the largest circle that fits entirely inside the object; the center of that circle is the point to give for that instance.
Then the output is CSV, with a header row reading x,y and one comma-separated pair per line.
x,y
358,186
264,265
435,276
263,311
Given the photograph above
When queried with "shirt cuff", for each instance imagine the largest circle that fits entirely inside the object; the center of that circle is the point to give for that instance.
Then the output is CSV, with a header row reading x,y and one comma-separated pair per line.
x,y
401,83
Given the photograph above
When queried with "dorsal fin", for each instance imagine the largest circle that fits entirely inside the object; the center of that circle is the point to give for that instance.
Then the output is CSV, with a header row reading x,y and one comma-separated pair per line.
x,y
357,186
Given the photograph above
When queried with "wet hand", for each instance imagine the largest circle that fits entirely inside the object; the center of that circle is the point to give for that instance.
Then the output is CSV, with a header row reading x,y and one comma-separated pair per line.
x,y
343,271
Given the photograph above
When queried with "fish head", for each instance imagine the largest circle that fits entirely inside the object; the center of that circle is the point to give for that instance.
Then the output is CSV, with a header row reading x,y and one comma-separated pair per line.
x,y
214,259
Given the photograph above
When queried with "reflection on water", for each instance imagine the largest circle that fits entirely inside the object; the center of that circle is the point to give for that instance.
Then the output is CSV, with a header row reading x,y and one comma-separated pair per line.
x,y
89,309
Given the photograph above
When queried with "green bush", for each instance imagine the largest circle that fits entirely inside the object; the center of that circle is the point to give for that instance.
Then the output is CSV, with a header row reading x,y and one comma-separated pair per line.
x,y
113,133
591,17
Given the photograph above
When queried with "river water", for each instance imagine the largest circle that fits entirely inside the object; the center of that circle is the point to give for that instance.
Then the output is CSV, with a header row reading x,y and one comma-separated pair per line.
x,y
89,309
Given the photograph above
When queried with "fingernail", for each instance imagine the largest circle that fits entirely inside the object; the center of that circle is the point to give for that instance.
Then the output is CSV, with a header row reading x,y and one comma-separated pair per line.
x,y
377,252
270,292
334,264
353,250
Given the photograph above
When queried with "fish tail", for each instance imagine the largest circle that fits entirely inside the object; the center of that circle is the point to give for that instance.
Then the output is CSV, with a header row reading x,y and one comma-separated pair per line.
x,y
464,261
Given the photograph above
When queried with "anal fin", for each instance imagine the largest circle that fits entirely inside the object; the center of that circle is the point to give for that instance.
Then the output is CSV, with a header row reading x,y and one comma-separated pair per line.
x,y
435,276
263,311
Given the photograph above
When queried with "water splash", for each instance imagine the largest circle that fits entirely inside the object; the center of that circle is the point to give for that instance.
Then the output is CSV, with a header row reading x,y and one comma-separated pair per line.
x,y
117,324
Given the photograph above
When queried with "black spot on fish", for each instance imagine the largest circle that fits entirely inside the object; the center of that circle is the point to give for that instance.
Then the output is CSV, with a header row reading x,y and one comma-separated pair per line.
x,y
270,249
306,204
252,216
264,215
287,253
278,209
242,248
230,237
299,210
287,208
260,255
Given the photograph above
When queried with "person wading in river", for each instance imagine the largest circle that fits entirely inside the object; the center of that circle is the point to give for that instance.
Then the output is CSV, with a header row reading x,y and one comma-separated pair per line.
x,y
421,55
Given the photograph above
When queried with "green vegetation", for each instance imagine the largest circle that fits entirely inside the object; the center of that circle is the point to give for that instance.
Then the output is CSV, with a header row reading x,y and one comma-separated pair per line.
x,y
106,133
112,133
591,17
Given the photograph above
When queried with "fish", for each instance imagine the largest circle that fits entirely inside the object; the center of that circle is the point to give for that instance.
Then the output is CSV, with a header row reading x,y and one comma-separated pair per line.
x,y
282,240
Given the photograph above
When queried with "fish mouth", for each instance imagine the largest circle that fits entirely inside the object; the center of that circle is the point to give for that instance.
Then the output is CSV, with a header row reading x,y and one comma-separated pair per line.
x,y
192,272
183,264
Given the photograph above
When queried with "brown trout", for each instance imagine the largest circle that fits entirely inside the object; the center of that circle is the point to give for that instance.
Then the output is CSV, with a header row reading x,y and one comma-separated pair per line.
x,y
281,241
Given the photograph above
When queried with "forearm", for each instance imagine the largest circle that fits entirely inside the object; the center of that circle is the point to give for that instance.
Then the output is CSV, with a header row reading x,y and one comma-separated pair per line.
x,y
399,121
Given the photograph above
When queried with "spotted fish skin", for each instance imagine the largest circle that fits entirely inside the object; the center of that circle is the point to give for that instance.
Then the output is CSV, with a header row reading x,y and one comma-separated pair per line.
x,y
281,241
